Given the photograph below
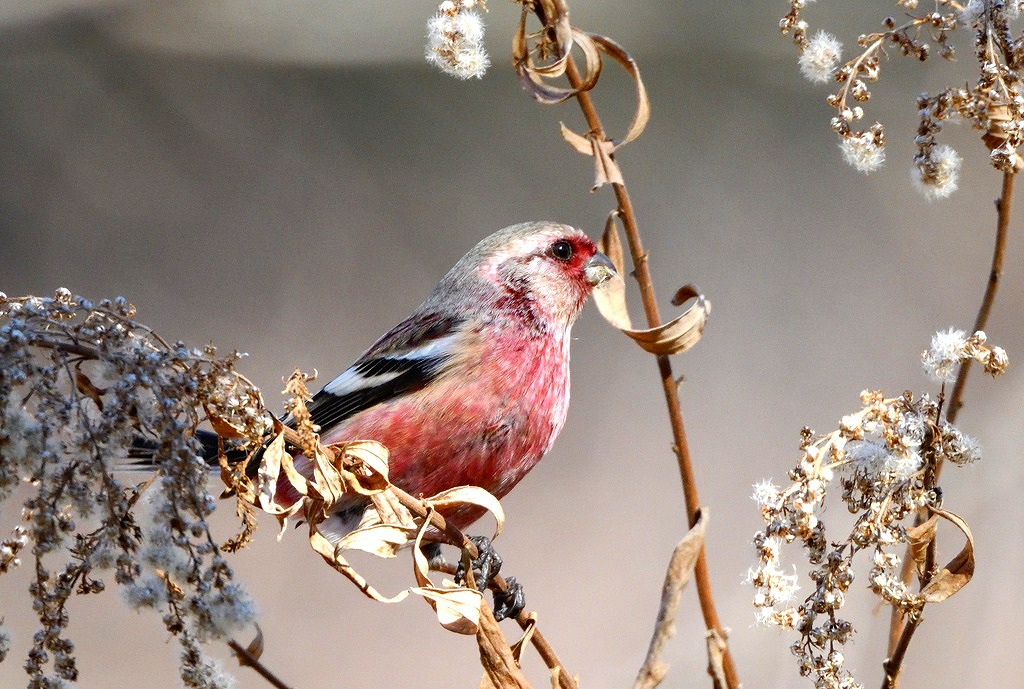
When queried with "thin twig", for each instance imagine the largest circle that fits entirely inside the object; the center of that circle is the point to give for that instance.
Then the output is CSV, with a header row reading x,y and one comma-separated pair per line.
x,y
649,300
1003,207
246,658
901,631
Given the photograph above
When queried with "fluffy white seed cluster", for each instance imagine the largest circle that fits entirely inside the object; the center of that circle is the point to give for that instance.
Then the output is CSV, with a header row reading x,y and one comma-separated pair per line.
x,y
455,40
862,151
936,177
949,348
820,57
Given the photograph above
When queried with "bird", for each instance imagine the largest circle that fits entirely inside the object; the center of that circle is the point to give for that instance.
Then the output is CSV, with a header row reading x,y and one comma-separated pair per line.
x,y
472,388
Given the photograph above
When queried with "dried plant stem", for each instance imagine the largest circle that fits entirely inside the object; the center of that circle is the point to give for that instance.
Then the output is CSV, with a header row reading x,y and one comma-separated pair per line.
x,y
900,630
681,447
246,658
1003,208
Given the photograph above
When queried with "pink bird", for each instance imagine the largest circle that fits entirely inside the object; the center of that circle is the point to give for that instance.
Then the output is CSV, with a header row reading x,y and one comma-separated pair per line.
x,y
473,387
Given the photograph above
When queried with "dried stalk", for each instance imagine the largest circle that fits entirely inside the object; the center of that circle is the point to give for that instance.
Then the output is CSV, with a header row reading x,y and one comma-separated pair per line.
x,y
1003,207
245,658
900,630
649,300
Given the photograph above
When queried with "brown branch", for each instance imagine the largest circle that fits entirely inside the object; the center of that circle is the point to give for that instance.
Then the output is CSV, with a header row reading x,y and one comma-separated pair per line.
x,y
649,300
901,631
247,659
1003,207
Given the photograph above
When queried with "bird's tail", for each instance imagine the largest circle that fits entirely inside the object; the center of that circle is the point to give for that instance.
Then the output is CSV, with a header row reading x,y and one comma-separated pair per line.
x,y
142,453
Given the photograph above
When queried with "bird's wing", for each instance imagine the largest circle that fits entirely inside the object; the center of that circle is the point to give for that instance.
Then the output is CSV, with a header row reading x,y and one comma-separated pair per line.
x,y
407,358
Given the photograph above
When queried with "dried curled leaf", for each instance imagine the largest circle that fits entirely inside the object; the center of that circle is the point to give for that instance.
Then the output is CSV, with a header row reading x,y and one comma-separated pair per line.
x,y
680,569
555,43
253,651
332,556
469,495
276,460
918,539
673,337
382,540
457,607
597,145
957,572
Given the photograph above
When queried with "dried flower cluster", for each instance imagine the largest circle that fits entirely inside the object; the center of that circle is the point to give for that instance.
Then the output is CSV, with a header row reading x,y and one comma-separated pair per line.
x,y
455,39
80,385
993,105
883,457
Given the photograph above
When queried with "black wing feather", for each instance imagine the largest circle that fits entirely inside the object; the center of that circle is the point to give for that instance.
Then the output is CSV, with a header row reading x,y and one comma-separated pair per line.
x,y
328,409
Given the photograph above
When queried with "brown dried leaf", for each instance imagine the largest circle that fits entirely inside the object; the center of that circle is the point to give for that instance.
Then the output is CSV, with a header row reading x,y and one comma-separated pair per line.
x,y
606,170
457,608
388,509
382,540
328,480
254,649
534,75
364,466
527,635
500,666
958,571
85,386
673,337
275,456
469,495
716,659
919,538
643,107
223,427
680,568
331,556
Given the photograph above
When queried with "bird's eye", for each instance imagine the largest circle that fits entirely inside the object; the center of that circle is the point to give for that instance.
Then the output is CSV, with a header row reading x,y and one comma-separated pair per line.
x,y
562,250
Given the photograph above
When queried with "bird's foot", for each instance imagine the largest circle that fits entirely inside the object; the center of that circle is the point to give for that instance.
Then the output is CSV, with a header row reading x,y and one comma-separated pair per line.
x,y
486,565
508,602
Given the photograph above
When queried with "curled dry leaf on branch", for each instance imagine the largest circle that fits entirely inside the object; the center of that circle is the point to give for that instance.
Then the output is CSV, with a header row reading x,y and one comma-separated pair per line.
x,y
675,336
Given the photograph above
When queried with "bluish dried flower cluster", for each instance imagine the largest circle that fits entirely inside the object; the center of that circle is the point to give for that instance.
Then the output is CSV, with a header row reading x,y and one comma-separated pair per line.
x,y
80,384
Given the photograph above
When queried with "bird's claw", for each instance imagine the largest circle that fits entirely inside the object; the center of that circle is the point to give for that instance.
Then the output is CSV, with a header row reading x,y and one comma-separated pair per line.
x,y
510,602
486,565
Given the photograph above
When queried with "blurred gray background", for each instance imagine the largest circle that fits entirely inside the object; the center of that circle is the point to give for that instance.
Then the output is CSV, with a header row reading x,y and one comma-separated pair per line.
x,y
289,179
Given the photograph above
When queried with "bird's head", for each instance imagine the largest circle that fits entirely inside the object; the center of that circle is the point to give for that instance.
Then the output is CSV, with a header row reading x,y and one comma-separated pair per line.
x,y
543,267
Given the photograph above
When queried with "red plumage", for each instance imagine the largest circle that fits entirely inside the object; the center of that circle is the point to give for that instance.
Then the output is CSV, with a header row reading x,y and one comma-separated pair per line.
x,y
473,387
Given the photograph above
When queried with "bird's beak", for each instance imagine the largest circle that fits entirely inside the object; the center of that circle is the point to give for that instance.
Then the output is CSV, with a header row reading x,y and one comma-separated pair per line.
x,y
599,269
